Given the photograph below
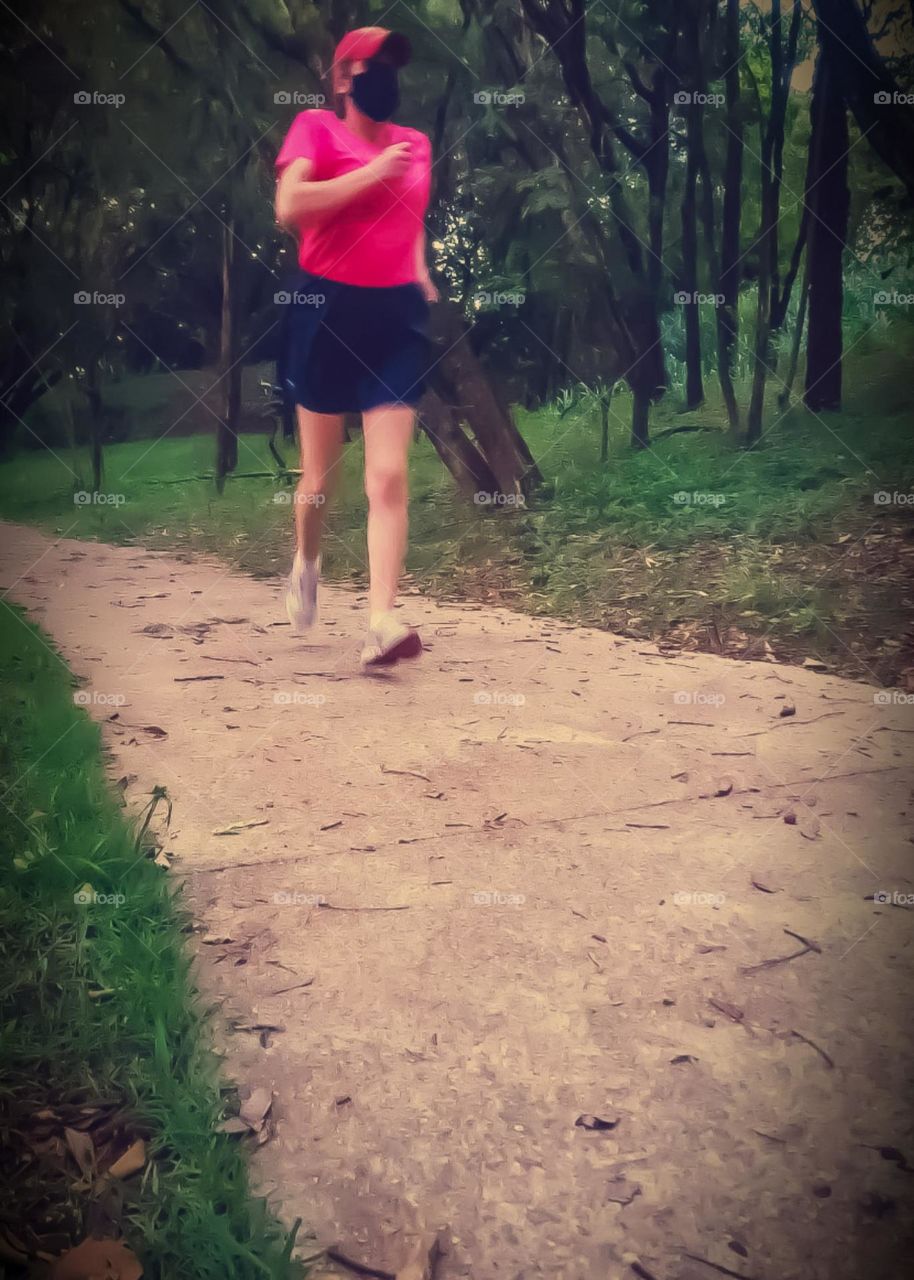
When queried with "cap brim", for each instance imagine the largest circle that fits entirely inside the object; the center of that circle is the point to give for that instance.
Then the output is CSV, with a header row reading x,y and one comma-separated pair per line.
x,y
397,47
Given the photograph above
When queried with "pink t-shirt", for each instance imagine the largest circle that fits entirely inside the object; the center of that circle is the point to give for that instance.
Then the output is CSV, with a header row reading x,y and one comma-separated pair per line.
x,y
372,240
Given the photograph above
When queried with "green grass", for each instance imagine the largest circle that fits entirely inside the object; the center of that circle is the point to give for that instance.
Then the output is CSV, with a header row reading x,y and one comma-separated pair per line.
x,y
100,1008
601,544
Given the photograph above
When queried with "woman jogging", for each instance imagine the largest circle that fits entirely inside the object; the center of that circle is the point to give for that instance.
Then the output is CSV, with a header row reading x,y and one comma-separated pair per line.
x,y
354,188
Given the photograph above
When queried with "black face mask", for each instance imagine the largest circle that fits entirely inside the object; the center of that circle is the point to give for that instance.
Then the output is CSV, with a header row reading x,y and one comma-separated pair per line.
x,y
376,91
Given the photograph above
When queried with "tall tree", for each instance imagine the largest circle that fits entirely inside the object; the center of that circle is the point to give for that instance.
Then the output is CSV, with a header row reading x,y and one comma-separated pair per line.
x,y
731,217
563,25
828,206
883,114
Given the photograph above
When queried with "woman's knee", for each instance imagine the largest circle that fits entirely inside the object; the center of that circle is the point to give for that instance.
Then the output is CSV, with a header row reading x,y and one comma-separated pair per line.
x,y
386,486
312,488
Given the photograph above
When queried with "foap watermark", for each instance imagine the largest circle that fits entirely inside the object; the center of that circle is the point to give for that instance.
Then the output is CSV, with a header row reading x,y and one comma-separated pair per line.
x,y
497,698
498,298
883,498
95,298
698,898
90,498
893,698
495,98
897,99
95,99
93,698
298,698
89,897
894,299
295,898
686,98
685,297
698,698
496,898
483,498
699,498
295,297
893,898
304,499
296,98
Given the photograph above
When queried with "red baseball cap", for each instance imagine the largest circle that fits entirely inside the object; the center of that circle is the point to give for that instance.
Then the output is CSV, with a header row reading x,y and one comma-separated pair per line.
x,y
366,42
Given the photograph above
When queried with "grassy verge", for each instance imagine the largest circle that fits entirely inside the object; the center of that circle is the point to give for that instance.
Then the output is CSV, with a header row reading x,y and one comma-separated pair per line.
x,y
784,549
103,1033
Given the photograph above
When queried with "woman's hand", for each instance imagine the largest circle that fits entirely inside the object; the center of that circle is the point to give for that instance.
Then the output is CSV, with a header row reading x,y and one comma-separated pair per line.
x,y
427,285
393,162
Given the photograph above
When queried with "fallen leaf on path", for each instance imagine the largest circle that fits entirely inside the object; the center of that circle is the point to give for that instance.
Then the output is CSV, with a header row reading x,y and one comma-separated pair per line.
x,y
594,1123
732,1011
254,1110
762,887
234,1124
98,1260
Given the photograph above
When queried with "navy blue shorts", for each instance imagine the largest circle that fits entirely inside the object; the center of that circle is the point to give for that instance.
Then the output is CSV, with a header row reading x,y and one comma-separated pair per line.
x,y
345,348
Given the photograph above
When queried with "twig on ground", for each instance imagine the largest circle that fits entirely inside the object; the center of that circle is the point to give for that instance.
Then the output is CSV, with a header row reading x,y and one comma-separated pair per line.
x,y
724,1271
360,1268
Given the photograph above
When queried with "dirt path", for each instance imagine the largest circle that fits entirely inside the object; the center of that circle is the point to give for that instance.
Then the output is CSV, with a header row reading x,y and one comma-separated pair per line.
x,y
527,878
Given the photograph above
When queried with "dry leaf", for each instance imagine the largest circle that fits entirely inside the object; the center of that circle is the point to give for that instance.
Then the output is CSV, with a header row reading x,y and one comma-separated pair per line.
x,y
594,1122
82,1149
253,1111
133,1159
234,1124
98,1260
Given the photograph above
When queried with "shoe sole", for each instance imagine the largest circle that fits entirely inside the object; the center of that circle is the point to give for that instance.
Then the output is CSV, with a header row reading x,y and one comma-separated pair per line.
x,y
410,646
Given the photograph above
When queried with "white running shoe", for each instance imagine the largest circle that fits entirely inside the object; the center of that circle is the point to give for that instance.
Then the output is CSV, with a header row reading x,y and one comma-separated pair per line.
x,y
388,641
301,592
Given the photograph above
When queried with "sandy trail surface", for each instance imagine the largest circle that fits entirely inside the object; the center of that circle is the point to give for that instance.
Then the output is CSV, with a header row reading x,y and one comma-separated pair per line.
x,y
543,880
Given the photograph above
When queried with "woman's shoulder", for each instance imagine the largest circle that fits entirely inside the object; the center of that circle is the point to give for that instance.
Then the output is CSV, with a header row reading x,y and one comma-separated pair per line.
x,y
315,117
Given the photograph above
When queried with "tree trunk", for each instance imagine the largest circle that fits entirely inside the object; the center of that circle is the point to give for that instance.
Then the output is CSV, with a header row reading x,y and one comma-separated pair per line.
x,y
96,426
461,382
885,119
772,144
829,208
562,24
727,311
641,416
456,450
796,341
230,368
694,390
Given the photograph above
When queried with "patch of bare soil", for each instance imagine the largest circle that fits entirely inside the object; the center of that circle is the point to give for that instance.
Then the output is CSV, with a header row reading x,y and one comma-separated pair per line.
x,y
588,960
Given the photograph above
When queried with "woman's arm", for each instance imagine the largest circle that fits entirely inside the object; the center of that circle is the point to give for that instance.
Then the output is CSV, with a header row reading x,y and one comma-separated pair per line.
x,y
298,198
423,279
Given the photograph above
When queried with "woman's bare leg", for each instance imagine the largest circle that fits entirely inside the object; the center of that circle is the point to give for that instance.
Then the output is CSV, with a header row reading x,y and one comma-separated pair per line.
x,y
320,439
388,433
